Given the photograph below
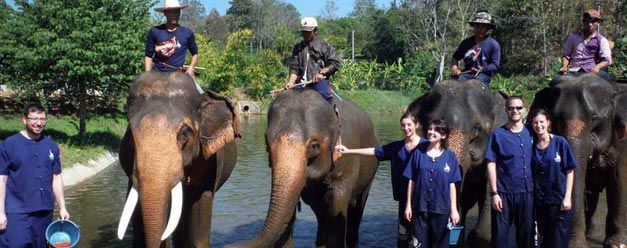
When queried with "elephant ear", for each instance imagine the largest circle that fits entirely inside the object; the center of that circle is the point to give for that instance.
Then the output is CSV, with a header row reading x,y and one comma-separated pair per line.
x,y
219,124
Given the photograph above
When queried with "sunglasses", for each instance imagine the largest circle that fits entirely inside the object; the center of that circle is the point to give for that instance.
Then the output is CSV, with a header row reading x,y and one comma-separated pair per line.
x,y
512,108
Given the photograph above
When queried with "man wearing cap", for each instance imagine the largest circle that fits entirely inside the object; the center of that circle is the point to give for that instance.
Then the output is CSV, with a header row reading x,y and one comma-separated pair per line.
x,y
481,53
587,50
30,182
313,60
167,43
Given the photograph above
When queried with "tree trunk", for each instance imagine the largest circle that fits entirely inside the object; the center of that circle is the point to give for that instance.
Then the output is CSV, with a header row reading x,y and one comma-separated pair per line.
x,y
82,111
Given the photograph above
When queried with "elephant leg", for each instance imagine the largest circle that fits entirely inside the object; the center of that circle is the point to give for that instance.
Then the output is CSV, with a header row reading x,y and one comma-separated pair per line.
x,y
480,235
338,218
320,209
615,229
595,183
355,214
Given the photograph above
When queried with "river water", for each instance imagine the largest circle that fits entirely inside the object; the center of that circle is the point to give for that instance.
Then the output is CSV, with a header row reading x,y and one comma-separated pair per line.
x,y
241,204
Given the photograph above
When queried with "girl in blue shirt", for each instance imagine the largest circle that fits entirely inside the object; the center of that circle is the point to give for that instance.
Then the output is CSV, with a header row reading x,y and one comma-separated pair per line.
x,y
431,194
552,164
397,152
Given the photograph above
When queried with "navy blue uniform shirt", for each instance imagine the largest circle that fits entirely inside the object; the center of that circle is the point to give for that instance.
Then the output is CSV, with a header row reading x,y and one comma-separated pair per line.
x,y
30,166
512,154
432,178
549,170
169,48
398,156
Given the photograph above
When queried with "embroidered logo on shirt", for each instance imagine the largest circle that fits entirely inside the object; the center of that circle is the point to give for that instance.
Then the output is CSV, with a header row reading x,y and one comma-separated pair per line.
x,y
50,155
447,168
558,158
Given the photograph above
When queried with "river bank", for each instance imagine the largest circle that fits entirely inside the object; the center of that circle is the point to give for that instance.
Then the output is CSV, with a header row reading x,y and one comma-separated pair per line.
x,y
79,173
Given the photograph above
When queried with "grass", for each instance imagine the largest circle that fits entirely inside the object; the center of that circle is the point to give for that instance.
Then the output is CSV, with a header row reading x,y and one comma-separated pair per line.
x,y
104,133
379,101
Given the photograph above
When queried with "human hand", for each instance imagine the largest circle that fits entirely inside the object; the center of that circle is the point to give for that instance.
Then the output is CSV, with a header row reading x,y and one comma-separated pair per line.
x,y
497,204
408,214
190,72
319,77
3,222
563,69
477,69
288,85
566,204
454,218
63,214
595,70
341,148
455,71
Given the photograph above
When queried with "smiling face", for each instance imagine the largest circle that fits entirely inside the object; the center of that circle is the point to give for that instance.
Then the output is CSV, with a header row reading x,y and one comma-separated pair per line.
x,y
35,122
541,124
433,135
515,110
408,127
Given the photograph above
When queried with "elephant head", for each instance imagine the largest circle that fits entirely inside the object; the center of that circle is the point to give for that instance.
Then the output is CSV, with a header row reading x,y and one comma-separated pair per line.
x,y
171,127
582,110
468,108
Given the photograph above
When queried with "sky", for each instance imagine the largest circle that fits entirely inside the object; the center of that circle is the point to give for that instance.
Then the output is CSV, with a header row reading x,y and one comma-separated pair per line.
x,y
304,7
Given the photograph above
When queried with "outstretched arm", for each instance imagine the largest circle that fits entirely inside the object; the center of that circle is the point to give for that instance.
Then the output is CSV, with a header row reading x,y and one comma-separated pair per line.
x,y
361,151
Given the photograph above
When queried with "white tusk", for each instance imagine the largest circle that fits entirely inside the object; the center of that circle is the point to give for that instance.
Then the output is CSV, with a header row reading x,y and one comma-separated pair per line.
x,y
175,210
129,206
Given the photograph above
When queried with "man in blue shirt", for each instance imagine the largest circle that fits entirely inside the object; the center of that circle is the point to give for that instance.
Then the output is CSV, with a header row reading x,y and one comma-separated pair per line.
x,y
481,53
30,182
510,178
167,44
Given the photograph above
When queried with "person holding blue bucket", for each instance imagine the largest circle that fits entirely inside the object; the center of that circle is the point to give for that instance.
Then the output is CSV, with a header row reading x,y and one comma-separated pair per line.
x,y
30,182
432,171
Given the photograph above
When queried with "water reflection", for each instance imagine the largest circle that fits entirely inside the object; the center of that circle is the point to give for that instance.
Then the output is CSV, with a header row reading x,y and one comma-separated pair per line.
x,y
241,205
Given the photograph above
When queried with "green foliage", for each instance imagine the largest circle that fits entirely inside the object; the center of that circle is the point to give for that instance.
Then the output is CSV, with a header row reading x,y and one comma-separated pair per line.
x,y
379,101
525,86
619,59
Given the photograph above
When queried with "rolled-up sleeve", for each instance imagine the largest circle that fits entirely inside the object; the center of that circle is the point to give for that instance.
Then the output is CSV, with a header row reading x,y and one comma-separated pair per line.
x,y
606,52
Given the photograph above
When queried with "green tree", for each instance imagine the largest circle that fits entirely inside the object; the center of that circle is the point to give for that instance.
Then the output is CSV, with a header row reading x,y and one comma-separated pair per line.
x,y
388,43
194,15
80,47
241,14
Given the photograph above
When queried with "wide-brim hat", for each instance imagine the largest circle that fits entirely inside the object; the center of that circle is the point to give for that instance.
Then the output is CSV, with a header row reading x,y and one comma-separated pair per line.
x,y
171,4
483,18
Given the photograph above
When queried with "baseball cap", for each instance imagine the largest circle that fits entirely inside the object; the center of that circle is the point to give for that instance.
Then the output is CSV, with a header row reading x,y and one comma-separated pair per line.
x,y
308,24
592,14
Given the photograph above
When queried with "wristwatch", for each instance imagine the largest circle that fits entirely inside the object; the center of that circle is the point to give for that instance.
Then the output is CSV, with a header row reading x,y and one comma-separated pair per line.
x,y
493,193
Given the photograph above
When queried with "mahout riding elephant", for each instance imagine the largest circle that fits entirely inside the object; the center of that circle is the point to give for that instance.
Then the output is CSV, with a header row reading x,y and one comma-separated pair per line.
x,y
472,111
592,114
302,132
177,151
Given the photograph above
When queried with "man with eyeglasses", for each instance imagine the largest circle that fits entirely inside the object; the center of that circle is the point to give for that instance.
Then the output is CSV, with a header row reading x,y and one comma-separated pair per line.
x,y
30,182
509,177
587,51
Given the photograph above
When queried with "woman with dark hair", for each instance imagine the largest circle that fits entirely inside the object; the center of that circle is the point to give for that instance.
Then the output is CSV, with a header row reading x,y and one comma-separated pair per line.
x,y
397,152
431,195
552,164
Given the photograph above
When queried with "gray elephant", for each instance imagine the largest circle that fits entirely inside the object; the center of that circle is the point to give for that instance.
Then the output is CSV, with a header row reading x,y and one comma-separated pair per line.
x,y
177,151
472,111
302,131
592,114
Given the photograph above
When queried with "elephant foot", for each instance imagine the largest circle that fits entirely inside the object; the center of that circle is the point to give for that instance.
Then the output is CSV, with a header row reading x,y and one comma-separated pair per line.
x,y
616,241
478,239
578,241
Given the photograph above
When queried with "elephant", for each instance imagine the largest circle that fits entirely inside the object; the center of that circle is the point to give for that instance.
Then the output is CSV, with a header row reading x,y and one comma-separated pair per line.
x,y
591,114
472,111
178,150
301,135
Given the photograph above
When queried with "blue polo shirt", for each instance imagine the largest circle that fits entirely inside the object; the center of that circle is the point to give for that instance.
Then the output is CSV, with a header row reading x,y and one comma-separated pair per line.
x,y
549,170
512,154
169,47
398,156
432,178
29,165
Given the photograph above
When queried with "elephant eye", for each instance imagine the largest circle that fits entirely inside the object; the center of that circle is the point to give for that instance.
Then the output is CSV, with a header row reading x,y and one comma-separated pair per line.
x,y
184,134
313,149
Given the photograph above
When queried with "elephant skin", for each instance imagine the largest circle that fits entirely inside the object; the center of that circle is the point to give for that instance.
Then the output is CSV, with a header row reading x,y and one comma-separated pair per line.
x,y
302,132
472,111
592,114
175,136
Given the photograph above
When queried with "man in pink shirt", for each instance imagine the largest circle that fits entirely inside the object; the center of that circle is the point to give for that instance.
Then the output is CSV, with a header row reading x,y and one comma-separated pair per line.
x,y
587,51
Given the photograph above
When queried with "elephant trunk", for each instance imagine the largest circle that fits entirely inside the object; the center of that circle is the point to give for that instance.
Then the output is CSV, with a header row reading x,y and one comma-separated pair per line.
x,y
289,173
576,135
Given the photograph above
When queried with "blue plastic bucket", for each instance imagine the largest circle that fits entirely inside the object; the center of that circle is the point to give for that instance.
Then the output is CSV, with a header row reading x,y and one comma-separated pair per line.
x,y
63,233
454,235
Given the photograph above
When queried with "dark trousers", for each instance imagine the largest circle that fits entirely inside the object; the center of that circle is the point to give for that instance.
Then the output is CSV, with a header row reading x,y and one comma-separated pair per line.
x,y
483,77
26,230
431,229
553,225
517,210
405,227
324,88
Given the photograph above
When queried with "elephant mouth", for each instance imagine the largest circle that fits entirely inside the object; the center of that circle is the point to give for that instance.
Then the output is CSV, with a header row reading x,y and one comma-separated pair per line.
x,y
175,211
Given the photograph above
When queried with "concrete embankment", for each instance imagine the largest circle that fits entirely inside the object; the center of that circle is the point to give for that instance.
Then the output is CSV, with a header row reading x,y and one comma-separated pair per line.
x,y
79,173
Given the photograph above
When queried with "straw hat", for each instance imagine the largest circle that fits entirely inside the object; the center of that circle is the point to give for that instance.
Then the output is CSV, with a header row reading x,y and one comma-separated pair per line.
x,y
171,4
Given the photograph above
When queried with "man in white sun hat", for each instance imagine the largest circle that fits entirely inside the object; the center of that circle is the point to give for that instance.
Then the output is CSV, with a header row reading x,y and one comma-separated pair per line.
x,y
167,43
481,53
313,60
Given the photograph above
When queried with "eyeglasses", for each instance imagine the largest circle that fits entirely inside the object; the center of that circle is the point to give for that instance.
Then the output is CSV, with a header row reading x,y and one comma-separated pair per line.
x,y
512,108
35,120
